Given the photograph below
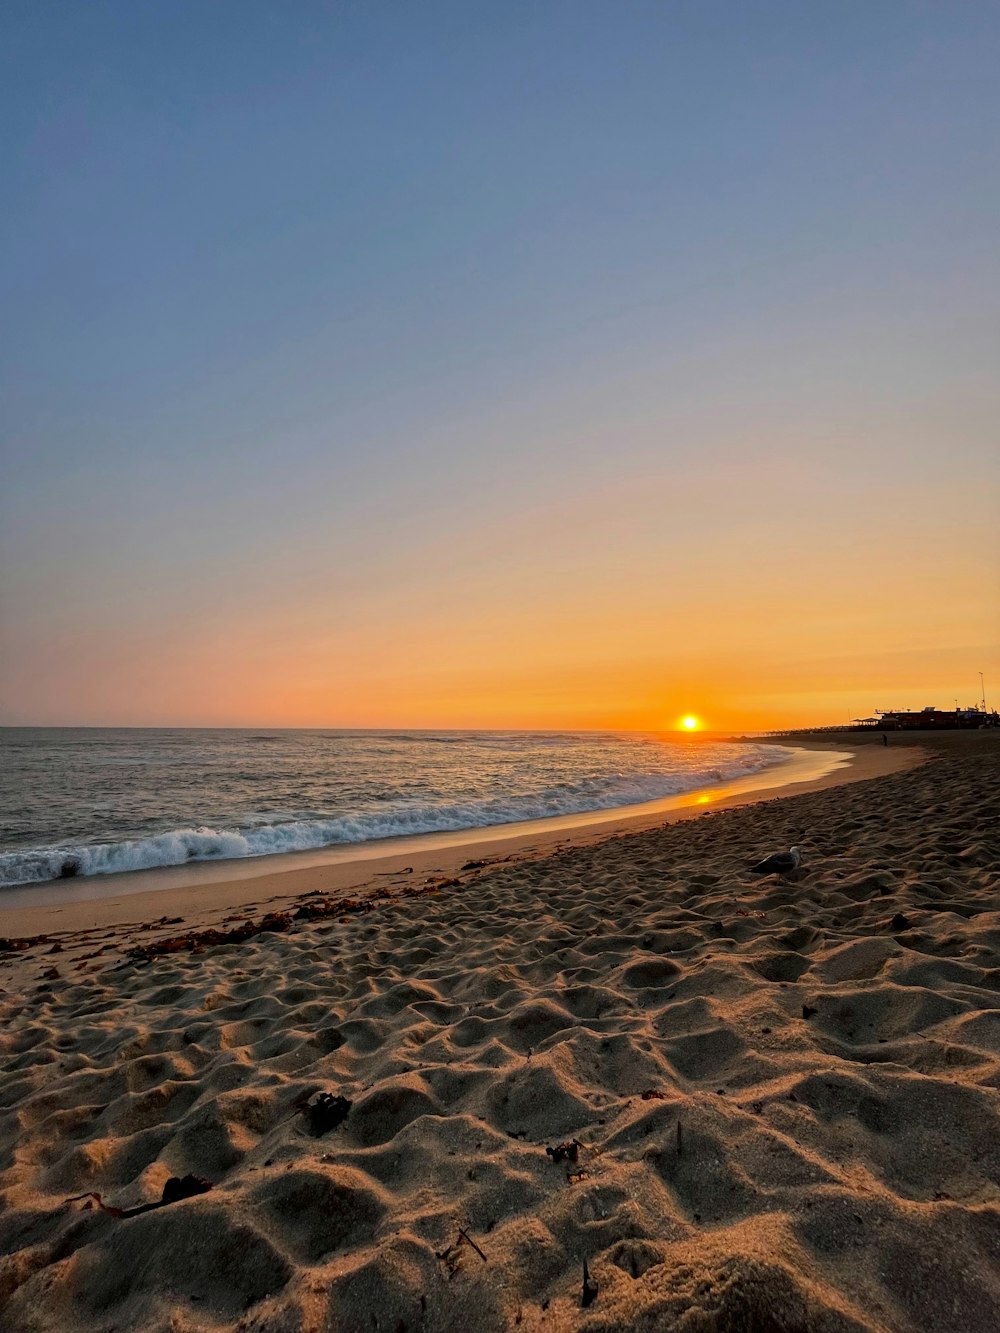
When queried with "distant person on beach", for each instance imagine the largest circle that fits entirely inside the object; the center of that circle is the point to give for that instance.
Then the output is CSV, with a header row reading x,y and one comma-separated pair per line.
x,y
885,738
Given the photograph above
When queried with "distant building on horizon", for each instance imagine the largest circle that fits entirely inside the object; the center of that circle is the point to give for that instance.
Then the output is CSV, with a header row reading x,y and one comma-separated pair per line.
x,y
929,719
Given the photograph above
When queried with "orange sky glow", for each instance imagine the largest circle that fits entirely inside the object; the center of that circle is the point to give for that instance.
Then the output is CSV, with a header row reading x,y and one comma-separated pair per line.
x,y
623,606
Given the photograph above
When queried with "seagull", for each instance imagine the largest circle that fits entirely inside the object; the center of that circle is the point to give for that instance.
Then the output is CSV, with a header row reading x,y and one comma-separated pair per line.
x,y
781,863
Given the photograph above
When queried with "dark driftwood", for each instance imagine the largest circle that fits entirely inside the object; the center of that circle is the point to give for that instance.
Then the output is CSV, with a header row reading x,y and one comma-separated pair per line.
x,y
176,1189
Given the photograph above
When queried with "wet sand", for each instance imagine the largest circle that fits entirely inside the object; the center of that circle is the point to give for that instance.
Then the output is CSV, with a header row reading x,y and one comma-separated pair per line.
x,y
781,1097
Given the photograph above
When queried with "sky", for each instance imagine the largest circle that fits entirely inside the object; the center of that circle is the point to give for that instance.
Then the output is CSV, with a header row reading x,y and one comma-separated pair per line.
x,y
542,363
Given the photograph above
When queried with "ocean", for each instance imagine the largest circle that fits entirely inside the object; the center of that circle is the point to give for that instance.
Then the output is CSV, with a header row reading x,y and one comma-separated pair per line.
x,y
89,801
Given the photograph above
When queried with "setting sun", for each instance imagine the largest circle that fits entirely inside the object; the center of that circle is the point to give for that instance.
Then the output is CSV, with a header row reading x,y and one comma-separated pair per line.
x,y
690,723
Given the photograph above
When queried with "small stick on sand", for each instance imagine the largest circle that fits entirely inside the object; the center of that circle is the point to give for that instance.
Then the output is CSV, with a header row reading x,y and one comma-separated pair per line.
x,y
469,1241
590,1289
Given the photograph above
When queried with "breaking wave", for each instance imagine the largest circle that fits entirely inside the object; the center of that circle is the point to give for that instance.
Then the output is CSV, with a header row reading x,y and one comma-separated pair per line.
x,y
395,819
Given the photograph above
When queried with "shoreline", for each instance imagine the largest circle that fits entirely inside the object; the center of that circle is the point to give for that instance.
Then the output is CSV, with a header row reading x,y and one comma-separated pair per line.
x,y
190,873
199,891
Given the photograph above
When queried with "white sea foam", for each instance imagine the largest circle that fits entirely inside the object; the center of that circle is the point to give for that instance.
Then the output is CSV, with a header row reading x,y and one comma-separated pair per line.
x,y
396,819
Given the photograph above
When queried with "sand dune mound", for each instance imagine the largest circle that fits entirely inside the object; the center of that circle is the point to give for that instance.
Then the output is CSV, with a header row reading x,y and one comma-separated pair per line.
x,y
770,1106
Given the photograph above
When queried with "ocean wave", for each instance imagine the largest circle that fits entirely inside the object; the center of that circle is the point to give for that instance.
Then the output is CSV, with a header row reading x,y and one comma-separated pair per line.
x,y
179,846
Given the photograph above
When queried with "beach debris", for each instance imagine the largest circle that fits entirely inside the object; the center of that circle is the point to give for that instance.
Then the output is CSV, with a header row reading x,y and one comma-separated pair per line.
x,y
900,922
326,1113
653,1094
176,1189
197,940
565,1152
464,1235
780,863
451,1255
182,1187
332,907
475,865
15,944
590,1288
574,1177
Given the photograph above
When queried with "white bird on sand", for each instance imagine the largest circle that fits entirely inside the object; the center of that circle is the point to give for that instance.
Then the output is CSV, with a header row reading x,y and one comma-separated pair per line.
x,y
781,863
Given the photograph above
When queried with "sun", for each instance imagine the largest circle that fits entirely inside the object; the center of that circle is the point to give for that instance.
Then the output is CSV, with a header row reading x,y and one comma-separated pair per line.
x,y
689,723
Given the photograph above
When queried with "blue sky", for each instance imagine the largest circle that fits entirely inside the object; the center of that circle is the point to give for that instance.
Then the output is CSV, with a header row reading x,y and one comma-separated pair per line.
x,y
313,309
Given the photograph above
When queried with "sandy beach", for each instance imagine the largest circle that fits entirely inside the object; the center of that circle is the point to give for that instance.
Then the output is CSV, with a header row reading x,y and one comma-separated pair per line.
x,y
599,1079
